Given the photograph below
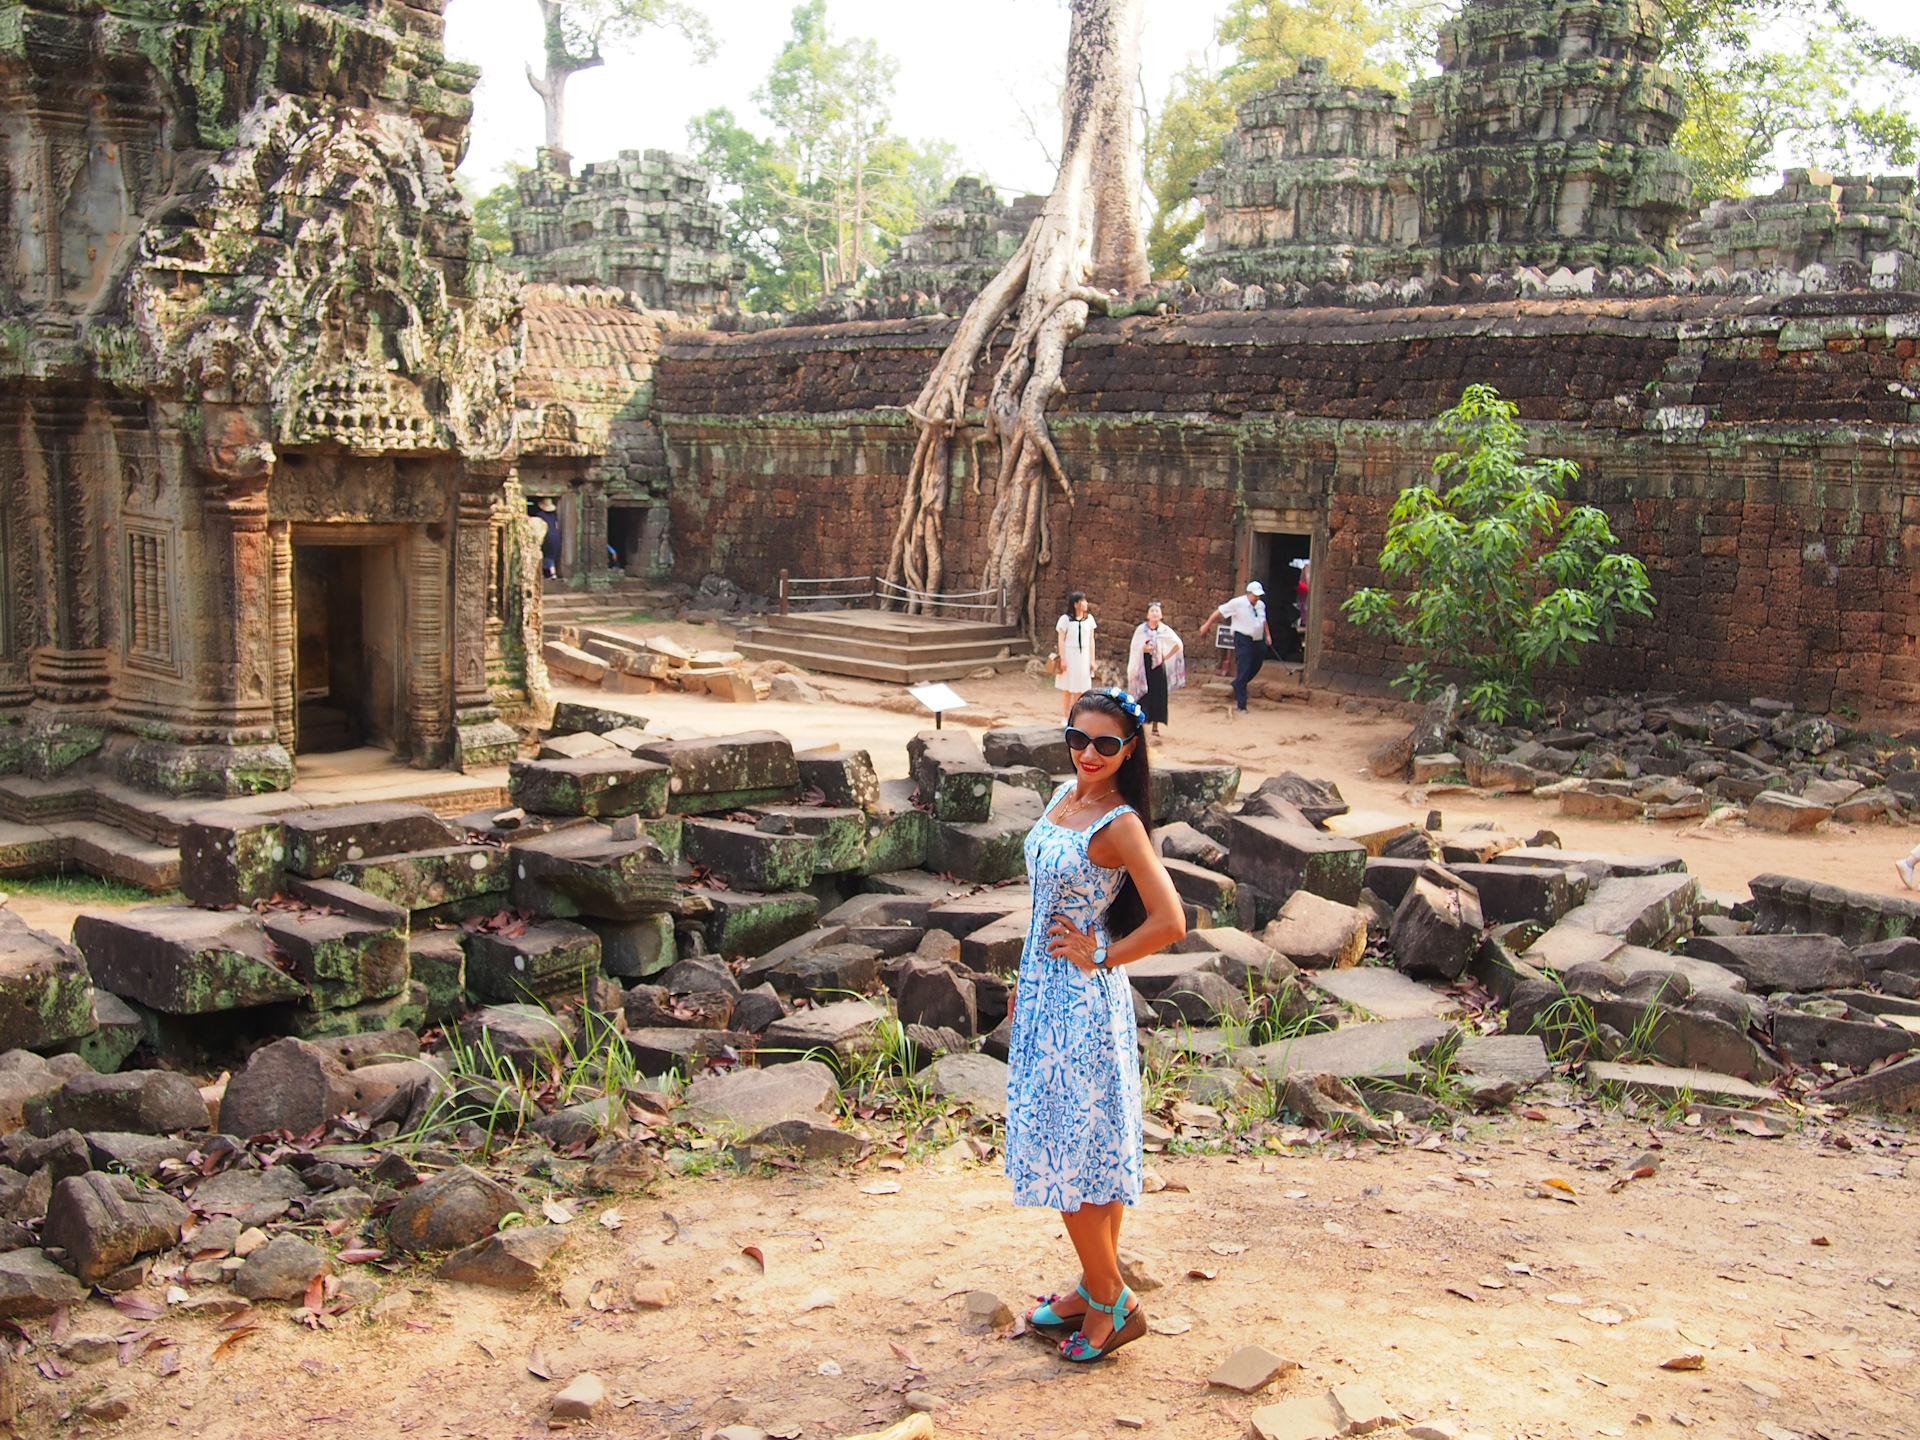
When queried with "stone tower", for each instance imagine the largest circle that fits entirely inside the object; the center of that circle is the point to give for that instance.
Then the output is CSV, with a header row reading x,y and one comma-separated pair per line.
x,y
1309,186
1545,141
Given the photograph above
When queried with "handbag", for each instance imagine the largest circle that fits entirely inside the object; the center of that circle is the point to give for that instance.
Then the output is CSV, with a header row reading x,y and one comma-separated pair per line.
x,y
1054,664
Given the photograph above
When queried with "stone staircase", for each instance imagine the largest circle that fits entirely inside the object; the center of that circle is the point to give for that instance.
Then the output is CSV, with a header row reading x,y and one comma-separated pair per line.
x,y
884,645
562,605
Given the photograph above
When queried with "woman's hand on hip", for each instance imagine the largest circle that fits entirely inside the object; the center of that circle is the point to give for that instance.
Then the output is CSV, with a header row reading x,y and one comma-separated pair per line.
x,y
1066,942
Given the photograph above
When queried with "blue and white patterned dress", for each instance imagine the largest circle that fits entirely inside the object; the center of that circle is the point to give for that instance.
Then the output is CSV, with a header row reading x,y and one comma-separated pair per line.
x,y
1073,1064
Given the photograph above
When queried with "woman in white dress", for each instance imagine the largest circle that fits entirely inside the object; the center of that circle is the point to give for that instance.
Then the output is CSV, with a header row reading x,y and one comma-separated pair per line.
x,y
1073,643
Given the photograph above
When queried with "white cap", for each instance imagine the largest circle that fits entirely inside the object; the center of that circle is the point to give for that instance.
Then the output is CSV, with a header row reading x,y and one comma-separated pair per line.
x,y
1254,587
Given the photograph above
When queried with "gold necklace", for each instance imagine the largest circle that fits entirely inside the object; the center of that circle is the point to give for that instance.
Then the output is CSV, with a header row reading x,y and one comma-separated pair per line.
x,y
1081,802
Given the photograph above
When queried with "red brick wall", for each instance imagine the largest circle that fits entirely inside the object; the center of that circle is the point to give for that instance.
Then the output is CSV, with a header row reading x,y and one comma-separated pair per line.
x,y
1777,539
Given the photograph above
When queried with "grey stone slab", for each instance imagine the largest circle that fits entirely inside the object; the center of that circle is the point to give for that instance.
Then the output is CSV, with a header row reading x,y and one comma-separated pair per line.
x,y
1519,1058
976,1080
1384,993
749,1100
1781,962
1667,1082
1565,946
1382,1050
1642,910
1619,866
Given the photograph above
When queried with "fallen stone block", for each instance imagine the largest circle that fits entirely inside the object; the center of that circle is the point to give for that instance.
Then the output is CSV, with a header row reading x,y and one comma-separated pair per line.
x,y
951,776
843,777
1315,933
281,1269
1318,800
571,661
1390,877
827,972
104,1223
437,959
748,1100
1155,975
1786,814
1243,961
528,1035
1436,930
727,772
117,1033
1901,955
1201,1000
145,1102
992,851
1327,1102
810,1139
634,949
1249,1369
585,1396
1184,792
1894,1088
740,922
964,914
1212,892
1781,962
230,857
344,959
665,1050
1665,1082
183,961
46,994
289,1085
320,841
427,878
404,1011
891,924
576,747
1180,841
977,1081
589,871
1594,805
1651,910
1565,946
1520,1060
548,958
1277,859
898,833
931,994
749,858
449,1211
1619,867
605,786
572,718
1687,1039
1522,892
1042,746
839,835
1810,1040
1384,994
32,1286
842,1032
995,948
1383,1050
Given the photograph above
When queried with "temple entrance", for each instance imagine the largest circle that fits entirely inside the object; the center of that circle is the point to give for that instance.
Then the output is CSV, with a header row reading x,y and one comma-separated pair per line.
x,y
347,612
1278,558
626,524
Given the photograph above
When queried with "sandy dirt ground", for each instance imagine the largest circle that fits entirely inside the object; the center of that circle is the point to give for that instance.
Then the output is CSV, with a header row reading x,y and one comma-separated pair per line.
x,y
1431,1278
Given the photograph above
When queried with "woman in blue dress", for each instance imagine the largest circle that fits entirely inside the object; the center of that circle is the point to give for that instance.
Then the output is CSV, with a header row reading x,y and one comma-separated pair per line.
x,y
1101,898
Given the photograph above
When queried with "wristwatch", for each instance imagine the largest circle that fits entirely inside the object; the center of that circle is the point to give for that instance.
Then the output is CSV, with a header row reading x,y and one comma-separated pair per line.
x,y
1100,957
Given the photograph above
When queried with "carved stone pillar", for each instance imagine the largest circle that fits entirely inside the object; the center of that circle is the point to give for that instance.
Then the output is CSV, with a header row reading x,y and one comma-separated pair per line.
x,y
286,706
593,535
427,646
480,737
236,749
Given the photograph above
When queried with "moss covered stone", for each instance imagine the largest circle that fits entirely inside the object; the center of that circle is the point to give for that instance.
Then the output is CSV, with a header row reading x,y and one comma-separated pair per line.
x,y
584,870
604,785
183,961
553,958
426,878
437,959
741,923
46,995
839,834
231,859
319,842
750,858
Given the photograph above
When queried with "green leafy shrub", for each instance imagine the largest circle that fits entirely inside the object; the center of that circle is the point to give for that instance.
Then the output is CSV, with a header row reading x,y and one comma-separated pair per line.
x,y
1498,578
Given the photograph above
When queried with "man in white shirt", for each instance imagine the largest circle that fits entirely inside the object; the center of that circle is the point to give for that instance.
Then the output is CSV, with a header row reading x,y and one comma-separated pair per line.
x,y
1247,614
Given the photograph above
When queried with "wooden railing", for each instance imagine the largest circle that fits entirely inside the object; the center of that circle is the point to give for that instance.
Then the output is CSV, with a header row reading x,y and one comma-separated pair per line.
x,y
886,594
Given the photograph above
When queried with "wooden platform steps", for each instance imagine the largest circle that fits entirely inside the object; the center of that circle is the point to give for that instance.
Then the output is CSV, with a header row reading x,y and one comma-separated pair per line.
x,y
885,645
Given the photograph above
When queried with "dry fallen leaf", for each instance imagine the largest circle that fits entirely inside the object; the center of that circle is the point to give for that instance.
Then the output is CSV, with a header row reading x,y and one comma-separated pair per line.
x,y
537,1364
906,1355
555,1212
1691,1360
612,1219
1558,1184
360,1255
232,1340
1198,1274
881,1187
754,1253
135,1305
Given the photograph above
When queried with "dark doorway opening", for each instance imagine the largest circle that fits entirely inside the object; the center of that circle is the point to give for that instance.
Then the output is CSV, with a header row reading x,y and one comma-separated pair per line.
x,y
346,627
1278,564
625,525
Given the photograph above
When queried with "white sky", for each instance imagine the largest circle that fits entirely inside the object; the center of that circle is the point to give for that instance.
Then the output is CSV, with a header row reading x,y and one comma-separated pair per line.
x,y
965,72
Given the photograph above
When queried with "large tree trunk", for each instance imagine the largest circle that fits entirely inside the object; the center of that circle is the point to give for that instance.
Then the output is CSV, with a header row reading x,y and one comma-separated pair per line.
x,y
1084,249
561,65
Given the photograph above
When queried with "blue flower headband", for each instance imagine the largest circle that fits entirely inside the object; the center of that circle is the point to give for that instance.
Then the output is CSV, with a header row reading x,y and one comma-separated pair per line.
x,y
1127,703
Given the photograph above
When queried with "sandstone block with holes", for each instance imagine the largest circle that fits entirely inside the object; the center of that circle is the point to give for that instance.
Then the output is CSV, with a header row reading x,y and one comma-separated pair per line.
x,y
1316,933
550,958
843,777
1276,859
749,858
727,772
601,785
427,878
1435,930
318,842
230,857
183,961
951,775
585,871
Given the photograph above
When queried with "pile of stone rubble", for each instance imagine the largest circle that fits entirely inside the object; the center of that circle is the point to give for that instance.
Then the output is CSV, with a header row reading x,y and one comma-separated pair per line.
x,y
622,665
1655,757
755,932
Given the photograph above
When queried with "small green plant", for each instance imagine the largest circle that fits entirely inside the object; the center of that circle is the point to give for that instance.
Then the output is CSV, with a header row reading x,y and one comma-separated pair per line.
x,y
76,887
1500,580
1571,1029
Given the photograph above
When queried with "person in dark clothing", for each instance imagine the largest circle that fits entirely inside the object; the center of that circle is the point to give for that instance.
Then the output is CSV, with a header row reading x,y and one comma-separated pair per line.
x,y
549,517
1252,637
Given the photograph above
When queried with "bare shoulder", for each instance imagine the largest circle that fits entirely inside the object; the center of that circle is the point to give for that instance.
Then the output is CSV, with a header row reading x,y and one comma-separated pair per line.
x,y
1122,842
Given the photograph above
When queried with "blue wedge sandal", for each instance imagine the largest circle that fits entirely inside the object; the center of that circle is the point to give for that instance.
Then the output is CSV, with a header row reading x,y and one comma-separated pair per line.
x,y
1082,1351
1043,1317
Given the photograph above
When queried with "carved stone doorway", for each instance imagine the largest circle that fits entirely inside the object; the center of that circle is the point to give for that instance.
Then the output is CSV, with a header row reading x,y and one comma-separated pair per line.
x,y
347,606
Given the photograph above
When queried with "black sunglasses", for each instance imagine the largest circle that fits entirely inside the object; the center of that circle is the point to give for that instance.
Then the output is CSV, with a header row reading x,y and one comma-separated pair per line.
x,y
1107,745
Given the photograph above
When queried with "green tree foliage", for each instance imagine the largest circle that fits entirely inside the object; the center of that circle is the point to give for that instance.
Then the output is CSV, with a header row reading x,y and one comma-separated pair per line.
x,y
1498,580
1803,80
575,32
821,202
490,214
1264,41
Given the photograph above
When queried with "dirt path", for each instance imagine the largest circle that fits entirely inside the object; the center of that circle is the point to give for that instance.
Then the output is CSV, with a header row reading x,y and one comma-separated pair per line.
x,y
1786,1264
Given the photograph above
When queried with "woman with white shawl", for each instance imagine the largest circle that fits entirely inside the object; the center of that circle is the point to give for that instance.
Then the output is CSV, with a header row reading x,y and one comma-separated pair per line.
x,y
1156,663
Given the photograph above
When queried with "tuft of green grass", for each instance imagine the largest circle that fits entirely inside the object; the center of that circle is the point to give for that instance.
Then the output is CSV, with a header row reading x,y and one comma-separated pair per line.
x,y
76,887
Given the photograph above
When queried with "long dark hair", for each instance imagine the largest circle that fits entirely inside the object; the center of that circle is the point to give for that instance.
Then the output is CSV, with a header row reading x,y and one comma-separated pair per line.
x,y
1135,784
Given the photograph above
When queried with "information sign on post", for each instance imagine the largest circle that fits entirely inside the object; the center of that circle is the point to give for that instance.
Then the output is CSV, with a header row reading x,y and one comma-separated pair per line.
x,y
938,698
